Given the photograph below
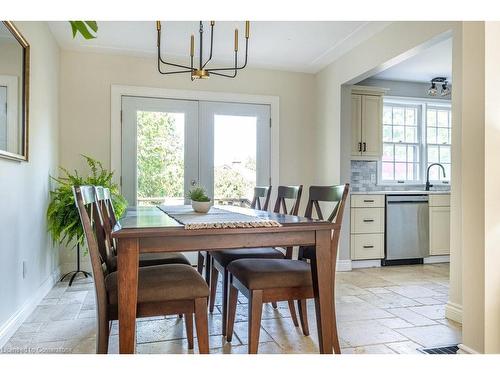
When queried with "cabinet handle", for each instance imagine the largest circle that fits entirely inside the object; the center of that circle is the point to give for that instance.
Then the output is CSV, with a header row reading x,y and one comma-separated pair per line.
x,y
368,247
368,200
364,146
359,147
368,220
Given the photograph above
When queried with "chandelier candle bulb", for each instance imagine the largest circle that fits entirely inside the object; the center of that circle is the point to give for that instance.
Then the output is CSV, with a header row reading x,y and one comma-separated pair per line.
x,y
247,29
192,46
236,40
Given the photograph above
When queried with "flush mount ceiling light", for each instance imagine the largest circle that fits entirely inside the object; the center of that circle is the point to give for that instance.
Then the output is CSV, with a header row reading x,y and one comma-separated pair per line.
x,y
445,89
433,91
202,72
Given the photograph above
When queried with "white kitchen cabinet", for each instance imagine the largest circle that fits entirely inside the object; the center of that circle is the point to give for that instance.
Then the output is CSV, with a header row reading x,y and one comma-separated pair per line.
x,y
367,220
356,135
439,224
367,226
367,246
366,122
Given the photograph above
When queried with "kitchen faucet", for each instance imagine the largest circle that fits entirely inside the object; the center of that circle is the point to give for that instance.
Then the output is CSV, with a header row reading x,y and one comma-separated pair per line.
x,y
428,185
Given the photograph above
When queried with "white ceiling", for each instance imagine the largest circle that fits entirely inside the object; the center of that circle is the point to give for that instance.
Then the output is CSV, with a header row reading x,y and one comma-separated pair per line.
x,y
294,46
435,61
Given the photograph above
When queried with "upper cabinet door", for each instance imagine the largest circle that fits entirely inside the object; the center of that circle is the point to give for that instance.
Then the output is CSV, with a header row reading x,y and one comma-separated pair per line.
x,y
371,119
356,143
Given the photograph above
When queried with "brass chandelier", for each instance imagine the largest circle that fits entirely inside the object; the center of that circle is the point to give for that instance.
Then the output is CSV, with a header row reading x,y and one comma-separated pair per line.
x,y
202,72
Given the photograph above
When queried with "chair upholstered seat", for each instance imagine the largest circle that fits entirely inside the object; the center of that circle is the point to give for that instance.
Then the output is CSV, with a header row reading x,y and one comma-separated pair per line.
x,y
225,257
271,273
156,259
308,252
170,282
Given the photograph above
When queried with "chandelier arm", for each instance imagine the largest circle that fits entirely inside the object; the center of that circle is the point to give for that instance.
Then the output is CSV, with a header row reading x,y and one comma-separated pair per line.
x,y
211,45
159,55
235,70
236,67
172,64
175,72
223,75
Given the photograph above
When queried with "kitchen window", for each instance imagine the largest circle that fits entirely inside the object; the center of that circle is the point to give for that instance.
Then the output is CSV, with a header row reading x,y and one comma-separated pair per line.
x,y
416,133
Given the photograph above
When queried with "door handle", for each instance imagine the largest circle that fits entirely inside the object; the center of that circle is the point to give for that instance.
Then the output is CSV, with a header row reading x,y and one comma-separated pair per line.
x,y
359,147
364,146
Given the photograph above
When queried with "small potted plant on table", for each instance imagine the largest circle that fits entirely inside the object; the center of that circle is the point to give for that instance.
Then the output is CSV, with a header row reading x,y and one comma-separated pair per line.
x,y
199,200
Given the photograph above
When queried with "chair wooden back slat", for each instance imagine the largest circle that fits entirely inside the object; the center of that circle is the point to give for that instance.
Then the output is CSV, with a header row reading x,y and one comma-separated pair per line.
x,y
109,206
104,228
288,192
85,202
260,192
337,194
284,193
319,194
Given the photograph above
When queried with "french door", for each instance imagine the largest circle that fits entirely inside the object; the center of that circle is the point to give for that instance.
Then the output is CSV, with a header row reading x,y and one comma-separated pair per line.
x,y
170,145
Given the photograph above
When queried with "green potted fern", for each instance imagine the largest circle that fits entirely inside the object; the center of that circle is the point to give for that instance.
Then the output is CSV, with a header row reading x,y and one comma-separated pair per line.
x,y
62,215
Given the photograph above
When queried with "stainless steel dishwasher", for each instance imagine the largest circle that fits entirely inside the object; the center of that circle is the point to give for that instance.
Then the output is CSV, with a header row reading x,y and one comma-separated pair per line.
x,y
406,229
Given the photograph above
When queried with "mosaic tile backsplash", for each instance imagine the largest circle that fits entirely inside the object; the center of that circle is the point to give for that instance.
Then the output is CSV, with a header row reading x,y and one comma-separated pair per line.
x,y
364,178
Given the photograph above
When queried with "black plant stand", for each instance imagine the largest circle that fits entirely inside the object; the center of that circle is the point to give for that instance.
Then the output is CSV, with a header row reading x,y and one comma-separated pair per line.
x,y
78,270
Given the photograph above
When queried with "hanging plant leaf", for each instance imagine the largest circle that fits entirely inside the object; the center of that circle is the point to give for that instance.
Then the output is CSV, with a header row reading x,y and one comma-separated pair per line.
x,y
83,27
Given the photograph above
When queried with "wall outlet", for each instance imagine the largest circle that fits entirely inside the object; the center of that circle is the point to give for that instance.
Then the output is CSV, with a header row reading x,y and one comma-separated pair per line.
x,y
25,269
373,178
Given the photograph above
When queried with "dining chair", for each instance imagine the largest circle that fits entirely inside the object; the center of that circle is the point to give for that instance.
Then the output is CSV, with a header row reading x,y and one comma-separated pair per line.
x,y
103,197
162,289
221,259
260,201
272,280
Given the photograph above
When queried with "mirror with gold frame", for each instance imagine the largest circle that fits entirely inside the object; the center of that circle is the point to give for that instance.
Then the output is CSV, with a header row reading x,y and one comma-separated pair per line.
x,y
14,92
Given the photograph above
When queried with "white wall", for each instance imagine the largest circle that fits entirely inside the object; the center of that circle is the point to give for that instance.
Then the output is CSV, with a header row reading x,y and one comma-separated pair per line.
x,y
24,187
481,183
398,41
86,80
394,44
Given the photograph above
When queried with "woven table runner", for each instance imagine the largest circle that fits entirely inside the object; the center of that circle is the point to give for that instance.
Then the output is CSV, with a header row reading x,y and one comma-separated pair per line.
x,y
216,218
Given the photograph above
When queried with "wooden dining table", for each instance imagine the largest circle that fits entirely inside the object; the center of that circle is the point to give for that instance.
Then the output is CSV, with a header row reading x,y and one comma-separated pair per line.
x,y
149,229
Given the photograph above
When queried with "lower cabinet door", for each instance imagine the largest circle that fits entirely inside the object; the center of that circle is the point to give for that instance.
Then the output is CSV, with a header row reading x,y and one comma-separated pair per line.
x,y
367,246
439,230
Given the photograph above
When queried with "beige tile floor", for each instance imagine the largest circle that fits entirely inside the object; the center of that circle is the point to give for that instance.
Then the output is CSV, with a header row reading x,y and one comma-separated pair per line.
x,y
379,310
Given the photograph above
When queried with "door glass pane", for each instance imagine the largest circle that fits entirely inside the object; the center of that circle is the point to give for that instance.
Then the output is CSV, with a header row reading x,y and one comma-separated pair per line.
x,y
235,158
160,158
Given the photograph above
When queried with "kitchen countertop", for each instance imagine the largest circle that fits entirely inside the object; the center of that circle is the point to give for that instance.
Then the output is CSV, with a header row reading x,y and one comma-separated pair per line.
x,y
400,192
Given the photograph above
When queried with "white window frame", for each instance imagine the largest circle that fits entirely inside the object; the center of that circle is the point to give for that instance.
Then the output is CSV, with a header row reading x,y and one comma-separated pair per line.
x,y
422,104
117,91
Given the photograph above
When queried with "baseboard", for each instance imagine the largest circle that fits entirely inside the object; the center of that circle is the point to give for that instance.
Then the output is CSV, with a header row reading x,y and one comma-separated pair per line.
x,y
453,311
464,349
344,265
437,259
366,263
15,321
